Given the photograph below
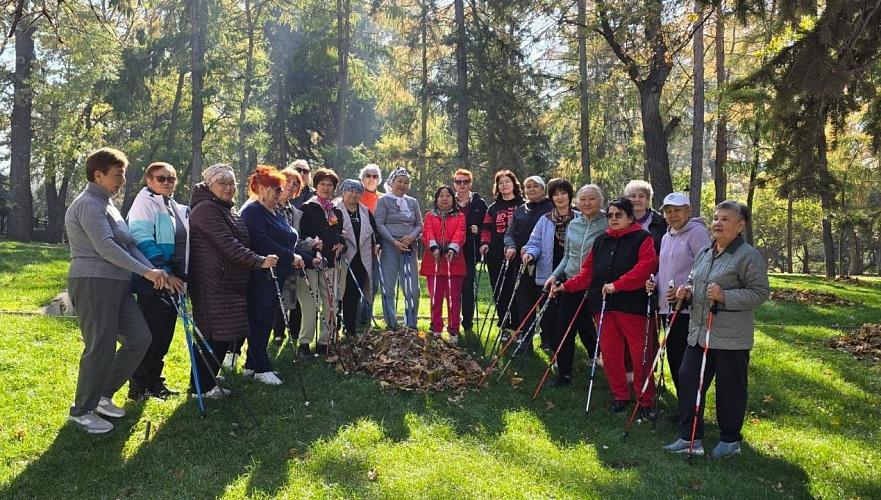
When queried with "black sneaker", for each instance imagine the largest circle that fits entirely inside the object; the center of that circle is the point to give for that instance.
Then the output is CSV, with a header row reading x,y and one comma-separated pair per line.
x,y
321,350
304,352
618,406
647,413
561,381
162,392
138,394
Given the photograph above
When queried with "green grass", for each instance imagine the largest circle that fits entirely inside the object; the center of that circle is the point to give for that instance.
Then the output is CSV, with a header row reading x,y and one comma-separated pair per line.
x,y
31,274
812,428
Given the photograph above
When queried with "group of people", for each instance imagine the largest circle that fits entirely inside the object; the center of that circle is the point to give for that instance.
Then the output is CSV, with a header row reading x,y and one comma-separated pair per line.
x,y
309,251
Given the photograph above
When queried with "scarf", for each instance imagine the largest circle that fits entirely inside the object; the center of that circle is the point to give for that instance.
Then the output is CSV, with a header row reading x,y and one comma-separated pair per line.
x,y
327,205
560,224
401,202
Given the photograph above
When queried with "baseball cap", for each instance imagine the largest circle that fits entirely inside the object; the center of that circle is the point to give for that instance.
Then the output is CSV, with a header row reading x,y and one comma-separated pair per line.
x,y
676,200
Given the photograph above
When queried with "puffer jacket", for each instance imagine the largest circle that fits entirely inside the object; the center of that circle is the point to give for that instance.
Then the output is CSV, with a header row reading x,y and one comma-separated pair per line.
x,y
743,275
220,263
443,232
541,245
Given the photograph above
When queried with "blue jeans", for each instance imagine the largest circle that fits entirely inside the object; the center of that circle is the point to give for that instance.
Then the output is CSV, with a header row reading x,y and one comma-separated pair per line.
x,y
399,269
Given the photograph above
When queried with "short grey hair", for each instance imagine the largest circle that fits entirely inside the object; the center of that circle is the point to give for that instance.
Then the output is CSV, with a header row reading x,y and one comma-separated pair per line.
x,y
370,168
639,185
591,187
742,211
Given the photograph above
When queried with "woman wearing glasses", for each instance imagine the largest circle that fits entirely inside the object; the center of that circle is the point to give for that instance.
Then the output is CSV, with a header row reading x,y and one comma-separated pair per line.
x,y
159,227
614,273
472,205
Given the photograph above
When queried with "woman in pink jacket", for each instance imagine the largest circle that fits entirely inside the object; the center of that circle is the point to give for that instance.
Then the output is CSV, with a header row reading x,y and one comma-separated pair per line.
x,y
443,264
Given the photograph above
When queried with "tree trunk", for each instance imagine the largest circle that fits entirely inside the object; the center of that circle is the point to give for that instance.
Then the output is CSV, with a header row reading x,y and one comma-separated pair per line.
x,y
344,9
175,112
721,181
56,203
697,132
806,259
753,173
842,249
789,234
198,19
583,96
657,160
20,136
826,205
462,101
855,260
423,97
244,128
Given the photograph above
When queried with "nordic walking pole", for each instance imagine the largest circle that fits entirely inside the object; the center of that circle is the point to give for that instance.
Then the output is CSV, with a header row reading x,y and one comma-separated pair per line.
x,y
596,351
510,341
492,307
195,369
560,346
287,327
645,352
662,351
534,327
497,342
700,384
364,302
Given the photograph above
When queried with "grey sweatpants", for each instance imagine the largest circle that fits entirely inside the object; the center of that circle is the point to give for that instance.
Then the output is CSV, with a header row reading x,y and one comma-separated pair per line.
x,y
107,312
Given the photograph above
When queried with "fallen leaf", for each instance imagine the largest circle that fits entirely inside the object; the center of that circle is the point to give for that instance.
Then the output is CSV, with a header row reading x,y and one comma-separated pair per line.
x,y
767,399
549,405
372,475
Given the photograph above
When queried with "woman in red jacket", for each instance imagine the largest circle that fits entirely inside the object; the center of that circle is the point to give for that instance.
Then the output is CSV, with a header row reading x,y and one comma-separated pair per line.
x,y
615,271
443,264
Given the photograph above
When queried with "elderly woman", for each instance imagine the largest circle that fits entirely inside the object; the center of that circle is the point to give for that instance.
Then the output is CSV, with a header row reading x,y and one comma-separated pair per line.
x,y
640,195
506,189
523,221
103,258
546,247
159,226
220,264
443,264
580,235
269,233
291,214
306,192
399,223
472,205
732,275
614,274
323,221
359,232
370,177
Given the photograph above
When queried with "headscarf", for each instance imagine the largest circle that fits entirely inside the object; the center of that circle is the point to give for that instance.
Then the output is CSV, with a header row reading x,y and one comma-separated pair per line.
x,y
327,205
351,185
217,172
403,206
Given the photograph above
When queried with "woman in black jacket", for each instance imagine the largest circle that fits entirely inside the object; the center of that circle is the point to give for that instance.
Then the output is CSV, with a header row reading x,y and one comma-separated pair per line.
x,y
323,221
474,208
506,189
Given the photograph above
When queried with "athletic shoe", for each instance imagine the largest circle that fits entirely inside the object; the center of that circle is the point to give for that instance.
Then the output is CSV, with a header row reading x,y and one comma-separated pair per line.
x,y
268,378
138,395
108,409
647,413
229,361
216,392
91,423
561,381
618,406
682,446
162,392
321,350
725,450
453,338
304,352
247,372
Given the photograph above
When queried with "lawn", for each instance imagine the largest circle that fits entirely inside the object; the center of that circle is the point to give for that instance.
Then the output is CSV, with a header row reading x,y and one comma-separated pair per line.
x,y
812,429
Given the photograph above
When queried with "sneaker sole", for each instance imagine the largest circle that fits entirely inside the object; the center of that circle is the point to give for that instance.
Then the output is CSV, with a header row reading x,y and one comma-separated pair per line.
x,y
88,430
723,457
697,452
106,413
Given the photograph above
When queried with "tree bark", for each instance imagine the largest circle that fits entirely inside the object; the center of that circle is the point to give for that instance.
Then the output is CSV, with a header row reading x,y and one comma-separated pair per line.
x,y
462,98
657,160
753,173
198,27
806,259
826,206
22,203
855,259
697,132
175,112
56,202
423,94
344,10
789,234
720,179
251,18
583,95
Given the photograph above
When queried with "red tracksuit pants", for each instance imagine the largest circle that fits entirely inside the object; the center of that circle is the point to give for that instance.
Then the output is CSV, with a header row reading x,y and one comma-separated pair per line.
x,y
439,290
620,328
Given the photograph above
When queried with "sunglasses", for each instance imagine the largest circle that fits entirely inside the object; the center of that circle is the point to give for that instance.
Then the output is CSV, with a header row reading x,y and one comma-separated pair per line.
x,y
372,176
162,179
462,182
615,215
304,170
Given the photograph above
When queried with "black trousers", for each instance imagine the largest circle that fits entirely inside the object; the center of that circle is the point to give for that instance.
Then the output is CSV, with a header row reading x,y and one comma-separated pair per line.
x,y
583,325
262,308
677,340
294,316
352,302
161,319
468,302
208,371
729,368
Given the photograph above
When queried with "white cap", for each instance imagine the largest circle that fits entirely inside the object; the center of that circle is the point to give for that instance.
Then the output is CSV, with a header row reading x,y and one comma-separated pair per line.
x,y
676,200
536,179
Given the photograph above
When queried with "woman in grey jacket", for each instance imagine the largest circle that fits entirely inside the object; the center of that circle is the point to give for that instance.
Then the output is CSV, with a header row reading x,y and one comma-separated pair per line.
x,y
103,258
399,223
732,275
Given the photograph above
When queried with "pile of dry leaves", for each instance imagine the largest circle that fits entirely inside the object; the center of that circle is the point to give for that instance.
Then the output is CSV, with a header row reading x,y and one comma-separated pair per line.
x,y
850,280
809,297
407,360
865,342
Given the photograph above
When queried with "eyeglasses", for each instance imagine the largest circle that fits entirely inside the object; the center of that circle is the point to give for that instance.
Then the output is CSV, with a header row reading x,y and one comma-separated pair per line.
x,y
372,176
462,182
304,170
615,215
226,184
162,179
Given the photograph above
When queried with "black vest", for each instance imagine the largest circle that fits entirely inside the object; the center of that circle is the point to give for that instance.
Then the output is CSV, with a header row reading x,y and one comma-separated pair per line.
x,y
612,257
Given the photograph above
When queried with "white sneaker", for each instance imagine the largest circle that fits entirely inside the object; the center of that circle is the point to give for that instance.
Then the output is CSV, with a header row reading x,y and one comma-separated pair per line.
x,y
247,372
91,423
453,339
268,378
229,361
215,393
108,409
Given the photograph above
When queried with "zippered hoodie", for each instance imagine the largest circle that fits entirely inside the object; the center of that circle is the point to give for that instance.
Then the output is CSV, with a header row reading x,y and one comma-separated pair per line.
x,y
678,251
153,228
541,245
443,232
580,235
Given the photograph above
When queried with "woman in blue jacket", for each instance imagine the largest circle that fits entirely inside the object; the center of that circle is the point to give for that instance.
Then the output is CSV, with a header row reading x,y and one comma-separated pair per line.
x,y
546,247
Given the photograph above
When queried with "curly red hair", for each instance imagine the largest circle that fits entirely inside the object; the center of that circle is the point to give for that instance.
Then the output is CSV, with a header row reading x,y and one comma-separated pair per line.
x,y
266,176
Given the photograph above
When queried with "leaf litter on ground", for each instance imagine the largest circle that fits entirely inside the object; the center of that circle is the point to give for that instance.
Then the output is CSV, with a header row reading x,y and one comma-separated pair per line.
x,y
864,342
809,297
409,360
